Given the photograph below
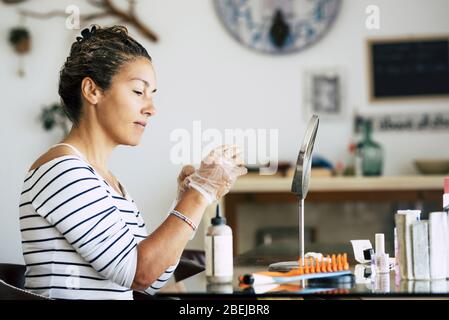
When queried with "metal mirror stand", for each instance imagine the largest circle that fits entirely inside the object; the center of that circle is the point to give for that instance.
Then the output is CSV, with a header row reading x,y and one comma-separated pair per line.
x,y
300,187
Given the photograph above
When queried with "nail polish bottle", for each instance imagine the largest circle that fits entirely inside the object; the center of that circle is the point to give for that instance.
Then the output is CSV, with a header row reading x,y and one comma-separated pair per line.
x,y
382,263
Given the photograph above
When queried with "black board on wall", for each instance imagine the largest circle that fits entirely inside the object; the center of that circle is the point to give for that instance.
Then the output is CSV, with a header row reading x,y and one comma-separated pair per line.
x,y
408,68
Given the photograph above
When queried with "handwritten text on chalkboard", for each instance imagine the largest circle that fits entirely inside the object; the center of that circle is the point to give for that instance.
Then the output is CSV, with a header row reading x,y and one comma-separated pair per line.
x,y
409,122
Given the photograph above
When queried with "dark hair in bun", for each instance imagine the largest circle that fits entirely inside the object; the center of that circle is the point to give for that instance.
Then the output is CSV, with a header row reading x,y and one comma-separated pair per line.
x,y
98,54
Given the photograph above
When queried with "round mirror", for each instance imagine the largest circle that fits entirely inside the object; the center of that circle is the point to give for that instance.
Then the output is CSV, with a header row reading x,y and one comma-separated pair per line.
x,y
300,183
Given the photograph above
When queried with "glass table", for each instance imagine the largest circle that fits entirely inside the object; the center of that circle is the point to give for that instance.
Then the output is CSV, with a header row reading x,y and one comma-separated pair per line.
x,y
362,283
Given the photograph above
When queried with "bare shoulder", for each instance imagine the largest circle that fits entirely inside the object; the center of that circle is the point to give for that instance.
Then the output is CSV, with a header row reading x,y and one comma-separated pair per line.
x,y
51,154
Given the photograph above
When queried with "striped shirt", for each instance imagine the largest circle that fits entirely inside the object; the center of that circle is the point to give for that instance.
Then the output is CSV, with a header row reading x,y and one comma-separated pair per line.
x,y
79,235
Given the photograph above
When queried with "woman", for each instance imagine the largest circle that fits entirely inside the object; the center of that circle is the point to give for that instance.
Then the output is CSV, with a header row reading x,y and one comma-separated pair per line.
x,y
83,236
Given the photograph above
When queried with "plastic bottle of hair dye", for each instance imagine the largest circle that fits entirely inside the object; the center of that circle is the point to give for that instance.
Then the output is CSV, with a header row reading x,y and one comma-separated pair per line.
x,y
219,259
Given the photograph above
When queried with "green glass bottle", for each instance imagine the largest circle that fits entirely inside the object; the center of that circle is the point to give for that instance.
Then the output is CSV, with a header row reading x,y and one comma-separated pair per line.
x,y
369,152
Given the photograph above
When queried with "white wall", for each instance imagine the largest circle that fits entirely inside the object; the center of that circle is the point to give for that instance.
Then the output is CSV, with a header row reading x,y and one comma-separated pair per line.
x,y
205,75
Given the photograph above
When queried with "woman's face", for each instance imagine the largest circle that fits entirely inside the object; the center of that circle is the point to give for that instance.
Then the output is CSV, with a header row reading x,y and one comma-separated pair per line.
x,y
124,108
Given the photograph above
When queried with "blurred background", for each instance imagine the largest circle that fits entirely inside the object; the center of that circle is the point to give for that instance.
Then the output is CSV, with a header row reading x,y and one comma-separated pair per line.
x,y
210,68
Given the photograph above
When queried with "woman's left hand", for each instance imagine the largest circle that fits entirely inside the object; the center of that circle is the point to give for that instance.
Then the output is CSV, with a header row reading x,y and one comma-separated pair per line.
x,y
182,182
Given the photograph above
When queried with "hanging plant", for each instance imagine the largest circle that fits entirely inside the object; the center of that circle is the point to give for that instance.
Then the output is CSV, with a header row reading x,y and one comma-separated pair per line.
x,y
20,39
54,116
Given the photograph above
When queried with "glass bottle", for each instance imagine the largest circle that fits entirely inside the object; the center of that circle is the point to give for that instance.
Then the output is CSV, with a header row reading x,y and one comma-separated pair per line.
x,y
369,152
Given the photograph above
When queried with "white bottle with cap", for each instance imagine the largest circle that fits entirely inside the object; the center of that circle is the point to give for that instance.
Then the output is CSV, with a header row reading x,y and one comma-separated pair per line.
x,y
219,260
382,258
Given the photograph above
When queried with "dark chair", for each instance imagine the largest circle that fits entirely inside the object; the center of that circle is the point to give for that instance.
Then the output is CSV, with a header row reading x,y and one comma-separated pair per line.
x,y
12,280
13,274
197,256
12,277
191,263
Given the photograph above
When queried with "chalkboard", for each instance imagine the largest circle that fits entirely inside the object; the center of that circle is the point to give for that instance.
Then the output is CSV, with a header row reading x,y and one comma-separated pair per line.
x,y
409,68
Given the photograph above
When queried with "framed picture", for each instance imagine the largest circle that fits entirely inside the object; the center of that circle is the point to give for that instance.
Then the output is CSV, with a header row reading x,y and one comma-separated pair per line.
x,y
323,93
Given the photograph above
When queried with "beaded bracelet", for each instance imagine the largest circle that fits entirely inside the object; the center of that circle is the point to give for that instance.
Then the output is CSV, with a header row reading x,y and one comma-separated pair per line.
x,y
184,218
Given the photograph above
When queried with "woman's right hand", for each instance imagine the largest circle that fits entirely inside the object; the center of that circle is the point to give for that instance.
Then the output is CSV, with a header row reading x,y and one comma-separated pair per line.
x,y
218,172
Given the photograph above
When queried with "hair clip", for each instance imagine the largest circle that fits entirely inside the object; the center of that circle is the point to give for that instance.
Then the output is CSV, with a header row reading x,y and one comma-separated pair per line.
x,y
86,33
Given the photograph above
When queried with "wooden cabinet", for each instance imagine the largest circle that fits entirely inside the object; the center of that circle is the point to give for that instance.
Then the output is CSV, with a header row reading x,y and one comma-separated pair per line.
x,y
272,189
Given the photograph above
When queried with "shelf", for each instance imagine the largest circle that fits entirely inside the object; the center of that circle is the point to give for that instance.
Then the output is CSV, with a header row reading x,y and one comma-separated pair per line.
x,y
258,183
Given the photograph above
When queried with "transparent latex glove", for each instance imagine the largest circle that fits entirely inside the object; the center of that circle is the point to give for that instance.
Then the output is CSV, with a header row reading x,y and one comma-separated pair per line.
x,y
218,172
183,184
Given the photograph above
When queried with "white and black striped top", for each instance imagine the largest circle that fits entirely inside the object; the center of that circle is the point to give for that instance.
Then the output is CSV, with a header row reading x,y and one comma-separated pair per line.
x,y
79,235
